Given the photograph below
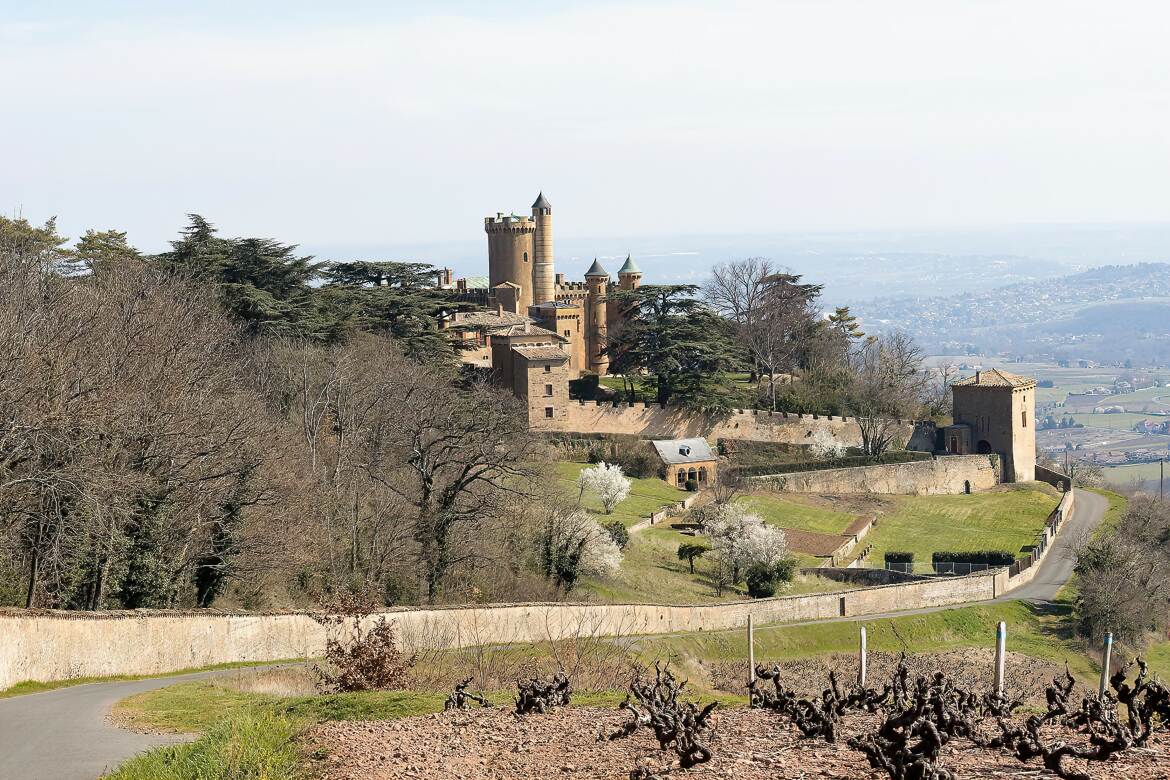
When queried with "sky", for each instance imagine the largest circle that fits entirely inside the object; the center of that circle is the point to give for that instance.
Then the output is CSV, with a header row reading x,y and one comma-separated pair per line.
x,y
371,123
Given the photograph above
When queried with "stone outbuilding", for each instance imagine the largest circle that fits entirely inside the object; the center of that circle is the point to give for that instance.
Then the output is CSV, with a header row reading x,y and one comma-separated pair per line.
x,y
994,413
687,459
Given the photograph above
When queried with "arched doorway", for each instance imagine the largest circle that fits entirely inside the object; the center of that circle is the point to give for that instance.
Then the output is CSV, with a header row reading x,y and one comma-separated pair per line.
x,y
702,475
682,477
967,486
983,448
954,445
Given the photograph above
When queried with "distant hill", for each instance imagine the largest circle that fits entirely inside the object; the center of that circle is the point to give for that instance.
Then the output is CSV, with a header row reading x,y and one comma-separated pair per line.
x,y
1108,314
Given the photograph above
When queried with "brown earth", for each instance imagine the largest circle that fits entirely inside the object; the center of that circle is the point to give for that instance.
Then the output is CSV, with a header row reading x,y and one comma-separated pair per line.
x,y
494,744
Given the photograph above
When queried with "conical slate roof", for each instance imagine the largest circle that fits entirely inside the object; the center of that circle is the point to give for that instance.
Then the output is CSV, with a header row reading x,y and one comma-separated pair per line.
x,y
596,270
630,267
541,202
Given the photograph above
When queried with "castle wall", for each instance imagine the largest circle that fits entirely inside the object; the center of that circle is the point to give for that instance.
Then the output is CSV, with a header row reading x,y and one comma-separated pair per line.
x,y
669,422
950,474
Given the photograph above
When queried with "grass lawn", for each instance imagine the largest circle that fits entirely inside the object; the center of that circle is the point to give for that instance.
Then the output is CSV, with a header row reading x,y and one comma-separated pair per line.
x,y
789,512
646,495
1000,520
652,573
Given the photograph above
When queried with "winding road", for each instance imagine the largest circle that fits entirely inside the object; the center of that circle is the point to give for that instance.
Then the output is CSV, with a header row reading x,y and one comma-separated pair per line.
x,y
66,735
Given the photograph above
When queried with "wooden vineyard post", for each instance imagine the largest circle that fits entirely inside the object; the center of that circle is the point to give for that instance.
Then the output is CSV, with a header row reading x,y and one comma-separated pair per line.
x,y
861,666
751,652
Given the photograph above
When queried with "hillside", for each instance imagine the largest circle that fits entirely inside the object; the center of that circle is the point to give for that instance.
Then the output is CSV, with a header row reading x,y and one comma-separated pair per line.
x,y
1095,315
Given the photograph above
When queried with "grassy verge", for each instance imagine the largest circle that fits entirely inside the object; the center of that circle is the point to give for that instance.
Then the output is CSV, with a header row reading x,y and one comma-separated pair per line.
x,y
256,747
33,686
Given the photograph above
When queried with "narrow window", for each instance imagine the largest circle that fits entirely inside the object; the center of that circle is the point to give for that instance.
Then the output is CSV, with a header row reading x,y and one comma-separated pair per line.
x,y
548,390
526,257
548,369
548,412
1024,418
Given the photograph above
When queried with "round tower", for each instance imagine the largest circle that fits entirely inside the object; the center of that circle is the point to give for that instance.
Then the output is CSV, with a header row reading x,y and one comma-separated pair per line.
x,y
629,275
597,280
543,275
510,253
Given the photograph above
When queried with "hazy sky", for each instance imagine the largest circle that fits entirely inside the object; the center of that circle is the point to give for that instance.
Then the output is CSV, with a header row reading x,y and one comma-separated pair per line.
x,y
329,123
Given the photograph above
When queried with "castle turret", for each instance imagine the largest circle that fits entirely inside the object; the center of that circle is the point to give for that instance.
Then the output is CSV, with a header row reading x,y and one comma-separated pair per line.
x,y
510,254
629,275
597,280
543,274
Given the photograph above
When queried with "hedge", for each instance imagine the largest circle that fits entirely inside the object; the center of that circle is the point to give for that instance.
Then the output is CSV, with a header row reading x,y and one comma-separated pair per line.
x,y
989,557
847,461
893,556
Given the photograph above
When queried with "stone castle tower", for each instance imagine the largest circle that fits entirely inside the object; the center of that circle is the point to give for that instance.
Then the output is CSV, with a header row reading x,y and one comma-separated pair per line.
x,y
522,280
995,412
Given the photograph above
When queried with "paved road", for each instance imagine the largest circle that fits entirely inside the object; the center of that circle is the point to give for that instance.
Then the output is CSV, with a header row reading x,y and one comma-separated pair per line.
x,y
64,734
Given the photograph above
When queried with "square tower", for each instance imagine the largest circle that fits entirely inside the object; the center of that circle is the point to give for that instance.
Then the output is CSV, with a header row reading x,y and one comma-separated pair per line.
x,y
999,410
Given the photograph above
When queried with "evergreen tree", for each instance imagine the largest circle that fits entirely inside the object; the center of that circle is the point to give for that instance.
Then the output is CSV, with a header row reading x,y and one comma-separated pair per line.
x,y
98,251
685,345
396,299
262,281
146,581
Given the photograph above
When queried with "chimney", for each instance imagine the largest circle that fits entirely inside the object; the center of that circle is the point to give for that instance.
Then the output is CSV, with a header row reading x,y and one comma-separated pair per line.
x,y
977,376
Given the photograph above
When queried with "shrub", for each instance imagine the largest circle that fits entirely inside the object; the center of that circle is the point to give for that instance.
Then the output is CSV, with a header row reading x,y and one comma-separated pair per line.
x,y
366,659
987,557
692,485
786,570
584,388
596,454
761,580
903,560
618,532
637,462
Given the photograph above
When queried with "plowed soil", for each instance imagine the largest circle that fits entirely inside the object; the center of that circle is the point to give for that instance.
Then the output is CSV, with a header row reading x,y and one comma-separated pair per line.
x,y
747,745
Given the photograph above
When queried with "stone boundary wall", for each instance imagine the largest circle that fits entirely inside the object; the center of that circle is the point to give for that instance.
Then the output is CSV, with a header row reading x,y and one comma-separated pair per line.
x,y
48,646
947,474
1021,574
671,422
1057,479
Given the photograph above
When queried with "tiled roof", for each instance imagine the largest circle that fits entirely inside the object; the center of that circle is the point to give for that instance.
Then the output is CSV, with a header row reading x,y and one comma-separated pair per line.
x,y
528,330
675,451
490,319
994,377
536,352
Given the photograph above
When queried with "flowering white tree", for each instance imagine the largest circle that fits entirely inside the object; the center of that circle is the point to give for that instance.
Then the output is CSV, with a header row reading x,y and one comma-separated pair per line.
x,y
607,481
574,544
739,539
825,445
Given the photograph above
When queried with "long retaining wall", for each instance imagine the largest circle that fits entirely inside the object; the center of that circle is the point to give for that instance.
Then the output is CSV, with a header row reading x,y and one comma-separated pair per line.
x,y
47,646
61,645
942,475
658,421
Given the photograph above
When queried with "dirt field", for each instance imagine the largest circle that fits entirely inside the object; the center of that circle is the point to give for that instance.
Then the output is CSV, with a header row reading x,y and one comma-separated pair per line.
x,y
748,745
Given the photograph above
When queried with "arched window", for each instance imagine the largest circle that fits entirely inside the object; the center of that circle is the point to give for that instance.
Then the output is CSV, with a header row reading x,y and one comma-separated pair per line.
x,y
702,475
526,257
692,474
682,477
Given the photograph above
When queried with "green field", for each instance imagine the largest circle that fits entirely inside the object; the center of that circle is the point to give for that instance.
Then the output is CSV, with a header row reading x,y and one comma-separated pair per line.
x,y
1121,421
1001,520
1127,475
646,495
790,513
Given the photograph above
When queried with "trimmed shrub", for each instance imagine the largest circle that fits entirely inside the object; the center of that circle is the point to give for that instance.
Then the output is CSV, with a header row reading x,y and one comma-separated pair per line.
x,y
991,558
692,485
689,551
893,556
636,461
618,532
846,461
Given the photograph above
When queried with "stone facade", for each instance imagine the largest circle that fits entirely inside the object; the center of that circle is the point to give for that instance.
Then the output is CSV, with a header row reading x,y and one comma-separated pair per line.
x,y
995,412
938,476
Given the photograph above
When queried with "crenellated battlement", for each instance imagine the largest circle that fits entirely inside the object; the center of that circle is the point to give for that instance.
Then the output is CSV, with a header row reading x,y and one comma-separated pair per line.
x,y
509,223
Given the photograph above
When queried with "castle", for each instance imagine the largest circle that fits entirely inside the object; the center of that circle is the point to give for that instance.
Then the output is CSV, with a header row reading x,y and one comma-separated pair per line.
x,y
537,330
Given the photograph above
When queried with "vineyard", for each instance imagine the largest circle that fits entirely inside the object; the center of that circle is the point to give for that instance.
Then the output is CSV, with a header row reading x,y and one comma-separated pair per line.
x,y
915,724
